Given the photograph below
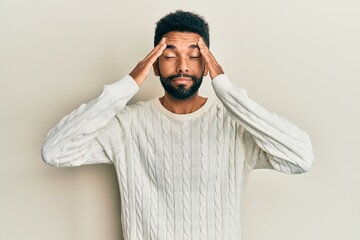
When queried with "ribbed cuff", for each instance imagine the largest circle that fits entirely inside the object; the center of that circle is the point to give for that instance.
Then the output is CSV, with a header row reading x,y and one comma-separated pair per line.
x,y
127,82
223,85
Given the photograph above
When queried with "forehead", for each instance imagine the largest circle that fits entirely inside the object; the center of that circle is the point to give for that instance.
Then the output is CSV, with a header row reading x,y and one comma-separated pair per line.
x,y
181,38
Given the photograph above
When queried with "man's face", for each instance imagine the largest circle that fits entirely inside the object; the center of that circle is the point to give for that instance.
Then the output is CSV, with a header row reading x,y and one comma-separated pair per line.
x,y
181,66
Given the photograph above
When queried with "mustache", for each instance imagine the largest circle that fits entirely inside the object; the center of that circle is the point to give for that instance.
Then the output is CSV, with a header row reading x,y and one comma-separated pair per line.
x,y
170,78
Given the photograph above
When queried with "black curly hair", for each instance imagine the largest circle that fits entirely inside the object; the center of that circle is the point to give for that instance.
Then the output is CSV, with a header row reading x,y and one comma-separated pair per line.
x,y
182,21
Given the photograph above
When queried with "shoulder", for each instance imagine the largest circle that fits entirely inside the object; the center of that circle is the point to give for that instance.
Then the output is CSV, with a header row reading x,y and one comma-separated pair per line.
x,y
138,106
219,111
217,107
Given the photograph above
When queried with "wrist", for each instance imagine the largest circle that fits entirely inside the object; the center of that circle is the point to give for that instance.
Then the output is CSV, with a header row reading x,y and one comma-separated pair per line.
x,y
135,79
213,76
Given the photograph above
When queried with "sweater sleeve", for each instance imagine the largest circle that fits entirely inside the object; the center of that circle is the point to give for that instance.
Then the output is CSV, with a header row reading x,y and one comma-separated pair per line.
x,y
76,139
273,141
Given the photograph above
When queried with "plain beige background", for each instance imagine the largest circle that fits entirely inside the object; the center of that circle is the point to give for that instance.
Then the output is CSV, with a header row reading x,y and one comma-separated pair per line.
x,y
299,59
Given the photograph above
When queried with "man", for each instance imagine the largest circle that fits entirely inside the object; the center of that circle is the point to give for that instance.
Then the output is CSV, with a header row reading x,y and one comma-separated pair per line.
x,y
182,160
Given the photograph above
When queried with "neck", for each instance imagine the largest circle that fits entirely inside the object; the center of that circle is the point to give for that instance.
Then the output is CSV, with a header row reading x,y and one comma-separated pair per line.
x,y
182,106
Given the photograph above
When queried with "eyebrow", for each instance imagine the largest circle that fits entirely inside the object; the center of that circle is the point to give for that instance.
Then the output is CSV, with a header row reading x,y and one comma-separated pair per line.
x,y
193,46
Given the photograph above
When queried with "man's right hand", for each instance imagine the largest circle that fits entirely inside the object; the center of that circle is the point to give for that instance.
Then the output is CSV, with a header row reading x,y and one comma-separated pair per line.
x,y
142,69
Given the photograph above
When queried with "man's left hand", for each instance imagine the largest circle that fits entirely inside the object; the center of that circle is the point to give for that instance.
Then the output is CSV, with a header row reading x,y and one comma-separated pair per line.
x,y
214,67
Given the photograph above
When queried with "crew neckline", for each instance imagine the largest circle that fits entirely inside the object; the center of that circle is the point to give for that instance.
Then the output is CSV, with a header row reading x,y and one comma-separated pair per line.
x,y
183,117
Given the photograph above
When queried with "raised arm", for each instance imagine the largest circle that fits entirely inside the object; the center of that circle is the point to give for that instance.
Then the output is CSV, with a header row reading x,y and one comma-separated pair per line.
x,y
79,137
276,143
286,147
73,141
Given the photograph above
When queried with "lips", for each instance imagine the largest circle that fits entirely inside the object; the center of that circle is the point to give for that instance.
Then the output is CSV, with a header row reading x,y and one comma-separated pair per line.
x,y
182,80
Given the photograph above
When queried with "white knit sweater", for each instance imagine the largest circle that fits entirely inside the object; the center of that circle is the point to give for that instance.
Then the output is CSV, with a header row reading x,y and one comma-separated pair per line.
x,y
181,176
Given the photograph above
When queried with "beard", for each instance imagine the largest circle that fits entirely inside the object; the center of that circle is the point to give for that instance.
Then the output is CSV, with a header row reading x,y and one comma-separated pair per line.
x,y
180,92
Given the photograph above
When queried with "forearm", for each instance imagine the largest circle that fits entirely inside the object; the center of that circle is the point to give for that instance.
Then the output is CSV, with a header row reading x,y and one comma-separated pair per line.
x,y
289,147
72,137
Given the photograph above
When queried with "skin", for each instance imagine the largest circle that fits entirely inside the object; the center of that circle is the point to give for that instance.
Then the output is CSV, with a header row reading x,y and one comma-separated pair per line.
x,y
179,52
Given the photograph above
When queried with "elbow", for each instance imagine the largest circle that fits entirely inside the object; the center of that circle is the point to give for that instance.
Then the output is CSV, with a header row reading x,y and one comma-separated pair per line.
x,y
292,166
307,163
47,158
58,158
308,155
305,159
295,166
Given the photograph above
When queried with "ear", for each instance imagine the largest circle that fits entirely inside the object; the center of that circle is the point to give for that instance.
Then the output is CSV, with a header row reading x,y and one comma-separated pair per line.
x,y
156,67
206,70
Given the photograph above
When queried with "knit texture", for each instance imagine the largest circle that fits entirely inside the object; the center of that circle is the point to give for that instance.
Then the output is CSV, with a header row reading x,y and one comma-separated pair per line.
x,y
181,176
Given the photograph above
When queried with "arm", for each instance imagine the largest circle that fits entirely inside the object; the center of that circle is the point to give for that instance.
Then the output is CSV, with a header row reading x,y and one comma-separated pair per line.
x,y
271,141
274,142
79,138
74,140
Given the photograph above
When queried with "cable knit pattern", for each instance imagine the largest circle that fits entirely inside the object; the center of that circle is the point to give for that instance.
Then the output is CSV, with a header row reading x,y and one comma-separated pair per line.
x,y
232,171
203,176
125,197
186,177
138,179
152,174
219,141
169,178
181,176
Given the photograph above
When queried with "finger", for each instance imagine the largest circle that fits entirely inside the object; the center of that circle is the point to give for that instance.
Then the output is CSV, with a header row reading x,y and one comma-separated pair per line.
x,y
160,50
204,50
155,55
213,66
207,53
156,48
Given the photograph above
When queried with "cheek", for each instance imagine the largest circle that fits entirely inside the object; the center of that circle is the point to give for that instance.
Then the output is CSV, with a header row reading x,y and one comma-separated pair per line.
x,y
166,66
201,63
198,66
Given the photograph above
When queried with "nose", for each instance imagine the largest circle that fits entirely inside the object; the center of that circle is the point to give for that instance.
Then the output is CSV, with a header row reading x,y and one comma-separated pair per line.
x,y
182,66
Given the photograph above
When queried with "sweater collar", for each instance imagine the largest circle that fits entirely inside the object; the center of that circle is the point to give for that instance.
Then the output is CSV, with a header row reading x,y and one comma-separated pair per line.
x,y
182,117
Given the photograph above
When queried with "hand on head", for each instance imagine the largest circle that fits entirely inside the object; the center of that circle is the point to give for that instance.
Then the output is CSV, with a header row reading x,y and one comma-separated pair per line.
x,y
214,67
142,69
